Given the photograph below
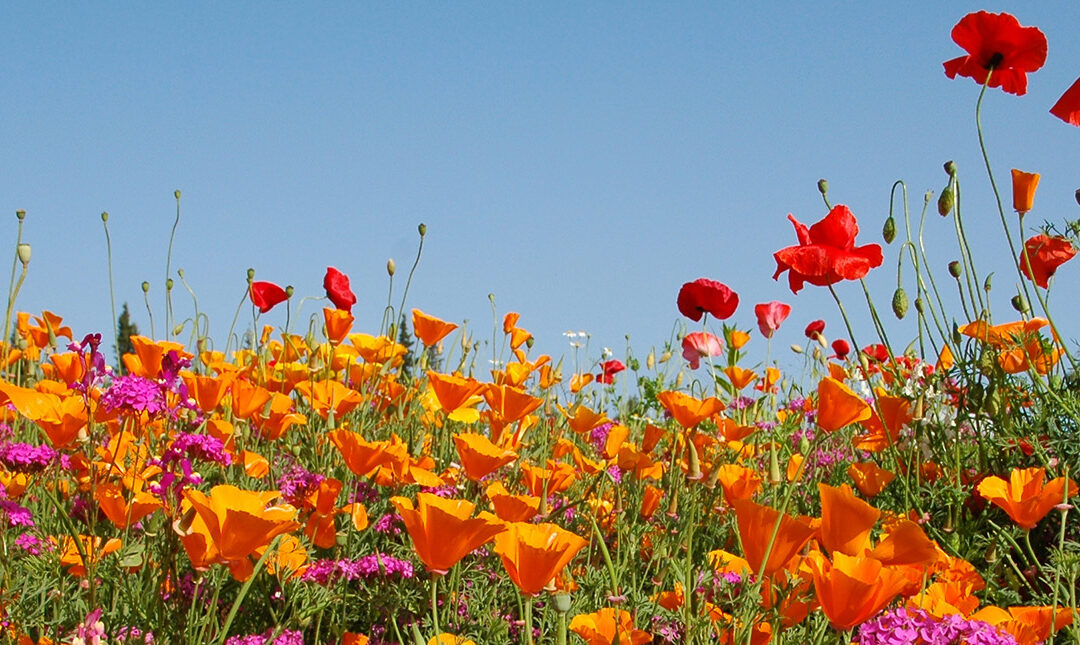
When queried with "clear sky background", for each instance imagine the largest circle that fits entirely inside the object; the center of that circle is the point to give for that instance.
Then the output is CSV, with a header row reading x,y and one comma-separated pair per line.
x,y
580,161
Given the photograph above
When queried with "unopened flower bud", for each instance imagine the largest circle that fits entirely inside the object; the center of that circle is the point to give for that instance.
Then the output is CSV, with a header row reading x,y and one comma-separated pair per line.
x,y
804,445
796,348
946,201
986,283
146,286
1019,303
650,360
391,267
422,229
104,217
251,274
900,303
529,342
950,168
665,357
634,363
888,232
955,270
817,354
180,272
23,251
823,186
176,194
21,214
169,284
919,305
289,291
177,329
562,602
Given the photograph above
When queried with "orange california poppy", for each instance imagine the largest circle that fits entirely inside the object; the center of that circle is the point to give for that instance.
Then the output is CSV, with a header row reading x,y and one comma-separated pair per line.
x,y
846,520
94,547
509,403
254,464
740,377
247,398
453,392
850,589
124,512
480,457
1024,185
360,455
239,521
1028,625
206,390
558,476
869,478
533,554
442,530
338,324
578,381
1024,497
838,406
769,381
146,361
906,544
607,626
583,419
509,507
279,419
756,524
738,482
737,338
429,329
687,410
1020,345
329,395
650,501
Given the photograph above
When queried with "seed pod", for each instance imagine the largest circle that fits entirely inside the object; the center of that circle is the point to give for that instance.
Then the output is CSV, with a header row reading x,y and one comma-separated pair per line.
x,y
955,270
888,232
950,168
900,303
23,251
920,306
105,217
1019,303
823,186
146,286
422,229
946,201
250,274
21,214
391,267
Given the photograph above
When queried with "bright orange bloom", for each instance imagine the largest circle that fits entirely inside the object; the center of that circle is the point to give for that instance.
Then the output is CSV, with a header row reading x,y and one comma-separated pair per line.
x,y
93,547
239,521
1024,185
846,520
60,417
255,465
429,329
533,554
756,525
509,403
361,456
838,406
329,395
738,482
740,377
687,410
558,475
512,508
851,590
123,512
737,338
281,417
453,392
1028,625
769,381
1024,497
480,457
248,398
869,478
442,530
578,381
338,324
1019,343
206,390
600,628
583,419
146,361
650,501
906,544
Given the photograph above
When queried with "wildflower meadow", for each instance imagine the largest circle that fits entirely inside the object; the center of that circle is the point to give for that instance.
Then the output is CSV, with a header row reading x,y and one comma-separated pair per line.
x,y
320,483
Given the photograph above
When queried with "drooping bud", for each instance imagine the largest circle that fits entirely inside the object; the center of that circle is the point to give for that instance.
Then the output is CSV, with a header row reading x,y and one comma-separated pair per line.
x,y
104,217
946,201
391,267
888,232
21,214
823,186
986,283
1019,303
900,303
796,348
23,251
178,329
950,168
955,270
634,363
180,272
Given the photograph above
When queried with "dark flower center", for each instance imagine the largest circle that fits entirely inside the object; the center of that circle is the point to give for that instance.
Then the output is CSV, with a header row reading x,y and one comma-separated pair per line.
x,y
995,60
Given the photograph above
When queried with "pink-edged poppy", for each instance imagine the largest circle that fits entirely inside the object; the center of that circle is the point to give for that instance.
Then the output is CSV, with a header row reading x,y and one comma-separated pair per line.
x,y
704,296
1067,107
876,352
697,345
997,41
770,315
337,288
1044,254
826,253
841,348
266,295
815,329
608,370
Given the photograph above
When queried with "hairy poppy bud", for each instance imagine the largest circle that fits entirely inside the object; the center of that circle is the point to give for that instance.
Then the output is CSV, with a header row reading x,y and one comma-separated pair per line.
x,y
178,329
422,229
816,353
955,270
950,168
823,186
21,214
665,357
529,342
986,283
796,348
1019,303
888,232
176,194
391,267
289,291
635,364
23,251
104,217
251,274
919,306
900,303
946,201
146,286
169,284
650,360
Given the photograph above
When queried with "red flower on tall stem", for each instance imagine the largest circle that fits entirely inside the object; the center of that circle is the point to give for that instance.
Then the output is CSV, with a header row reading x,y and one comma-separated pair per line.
x,y
996,41
770,315
266,295
337,288
1044,254
608,370
1067,107
704,296
826,253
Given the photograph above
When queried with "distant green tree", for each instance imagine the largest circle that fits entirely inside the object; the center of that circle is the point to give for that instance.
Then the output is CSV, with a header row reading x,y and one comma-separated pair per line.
x,y
405,339
125,329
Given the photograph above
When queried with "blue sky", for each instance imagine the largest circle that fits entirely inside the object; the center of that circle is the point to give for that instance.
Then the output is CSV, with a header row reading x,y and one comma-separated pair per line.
x,y
580,161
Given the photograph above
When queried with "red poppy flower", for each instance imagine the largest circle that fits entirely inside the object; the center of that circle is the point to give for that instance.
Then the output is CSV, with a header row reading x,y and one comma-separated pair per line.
x,y
337,288
876,352
704,296
697,345
1044,255
997,41
826,253
1067,107
265,295
841,347
770,315
608,371
815,329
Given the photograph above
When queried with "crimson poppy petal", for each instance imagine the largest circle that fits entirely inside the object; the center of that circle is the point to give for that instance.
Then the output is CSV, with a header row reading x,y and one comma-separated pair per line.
x,y
1067,107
